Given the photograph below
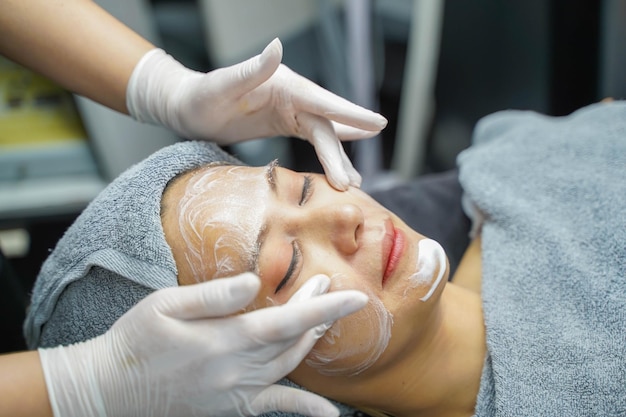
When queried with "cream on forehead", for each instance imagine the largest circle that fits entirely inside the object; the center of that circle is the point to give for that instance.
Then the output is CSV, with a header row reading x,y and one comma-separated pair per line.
x,y
230,198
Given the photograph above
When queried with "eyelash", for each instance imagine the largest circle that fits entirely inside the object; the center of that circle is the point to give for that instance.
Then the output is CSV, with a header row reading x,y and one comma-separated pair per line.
x,y
307,190
293,265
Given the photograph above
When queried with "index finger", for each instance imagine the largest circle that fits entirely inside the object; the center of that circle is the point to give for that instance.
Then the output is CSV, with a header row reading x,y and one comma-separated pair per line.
x,y
310,97
319,131
291,320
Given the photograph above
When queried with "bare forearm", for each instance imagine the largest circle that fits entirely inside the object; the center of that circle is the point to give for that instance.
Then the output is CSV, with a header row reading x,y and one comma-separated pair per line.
x,y
74,42
22,386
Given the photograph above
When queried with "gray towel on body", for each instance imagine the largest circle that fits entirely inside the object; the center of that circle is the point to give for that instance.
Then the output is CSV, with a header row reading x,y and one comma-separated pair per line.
x,y
115,254
553,195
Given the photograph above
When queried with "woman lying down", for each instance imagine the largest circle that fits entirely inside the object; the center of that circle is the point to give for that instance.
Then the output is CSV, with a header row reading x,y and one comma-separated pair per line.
x,y
531,322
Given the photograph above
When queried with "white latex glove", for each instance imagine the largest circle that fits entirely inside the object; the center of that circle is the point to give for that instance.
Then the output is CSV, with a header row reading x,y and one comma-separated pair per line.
x,y
182,352
257,98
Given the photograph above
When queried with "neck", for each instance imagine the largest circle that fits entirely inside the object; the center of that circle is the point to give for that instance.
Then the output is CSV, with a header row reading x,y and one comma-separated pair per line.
x,y
443,377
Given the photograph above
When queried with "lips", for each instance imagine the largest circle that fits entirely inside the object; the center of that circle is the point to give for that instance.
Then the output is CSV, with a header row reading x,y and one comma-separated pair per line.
x,y
393,248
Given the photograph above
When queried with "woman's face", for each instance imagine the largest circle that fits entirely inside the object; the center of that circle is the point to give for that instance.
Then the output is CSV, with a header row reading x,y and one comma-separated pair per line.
x,y
288,226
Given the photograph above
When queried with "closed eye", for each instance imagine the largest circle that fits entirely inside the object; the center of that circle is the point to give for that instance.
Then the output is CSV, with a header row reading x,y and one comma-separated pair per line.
x,y
295,260
307,189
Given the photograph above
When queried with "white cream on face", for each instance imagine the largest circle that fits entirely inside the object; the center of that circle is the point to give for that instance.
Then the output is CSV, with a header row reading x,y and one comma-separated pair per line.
x,y
210,201
362,350
430,269
200,210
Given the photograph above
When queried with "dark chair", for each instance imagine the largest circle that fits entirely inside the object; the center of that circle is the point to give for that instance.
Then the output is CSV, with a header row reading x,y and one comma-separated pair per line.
x,y
13,301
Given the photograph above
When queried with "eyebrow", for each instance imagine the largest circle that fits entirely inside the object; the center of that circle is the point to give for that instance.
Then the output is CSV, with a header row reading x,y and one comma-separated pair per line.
x,y
270,178
270,174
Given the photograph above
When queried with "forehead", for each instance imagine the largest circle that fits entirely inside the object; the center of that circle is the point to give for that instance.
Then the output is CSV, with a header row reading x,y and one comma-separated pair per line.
x,y
220,214
218,177
219,190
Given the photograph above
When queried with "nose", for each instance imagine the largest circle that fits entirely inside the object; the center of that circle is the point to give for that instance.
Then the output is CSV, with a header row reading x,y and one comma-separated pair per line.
x,y
342,223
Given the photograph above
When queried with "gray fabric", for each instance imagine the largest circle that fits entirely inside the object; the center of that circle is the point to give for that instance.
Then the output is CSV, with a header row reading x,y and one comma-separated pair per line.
x,y
120,232
72,322
553,192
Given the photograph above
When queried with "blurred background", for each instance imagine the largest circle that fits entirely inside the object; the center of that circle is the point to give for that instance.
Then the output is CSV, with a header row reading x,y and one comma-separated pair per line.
x,y
432,67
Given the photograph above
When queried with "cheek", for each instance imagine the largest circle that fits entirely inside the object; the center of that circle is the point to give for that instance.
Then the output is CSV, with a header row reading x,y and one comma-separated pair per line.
x,y
354,343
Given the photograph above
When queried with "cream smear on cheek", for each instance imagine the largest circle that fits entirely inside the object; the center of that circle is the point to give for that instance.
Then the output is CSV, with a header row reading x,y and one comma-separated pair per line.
x,y
430,269
210,201
349,360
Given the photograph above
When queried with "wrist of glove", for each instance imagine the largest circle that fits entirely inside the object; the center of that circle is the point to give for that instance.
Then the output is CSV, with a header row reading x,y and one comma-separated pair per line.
x,y
152,91
78,384
182,352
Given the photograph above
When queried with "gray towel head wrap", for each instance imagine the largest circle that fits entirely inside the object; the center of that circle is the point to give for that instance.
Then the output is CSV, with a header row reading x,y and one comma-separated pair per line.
x,y
115,254
120,231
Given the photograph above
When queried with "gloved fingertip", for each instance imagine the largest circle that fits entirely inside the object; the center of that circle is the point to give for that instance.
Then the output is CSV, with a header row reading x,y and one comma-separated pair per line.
x,y
316,285
355,178
320,284
247,282
273,50
338,180
381,121
293,400
361,299
327,410
319,407
356,301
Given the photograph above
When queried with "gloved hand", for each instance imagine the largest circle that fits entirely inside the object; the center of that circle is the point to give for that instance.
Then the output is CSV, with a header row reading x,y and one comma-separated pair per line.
x,y
182,352
257,98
